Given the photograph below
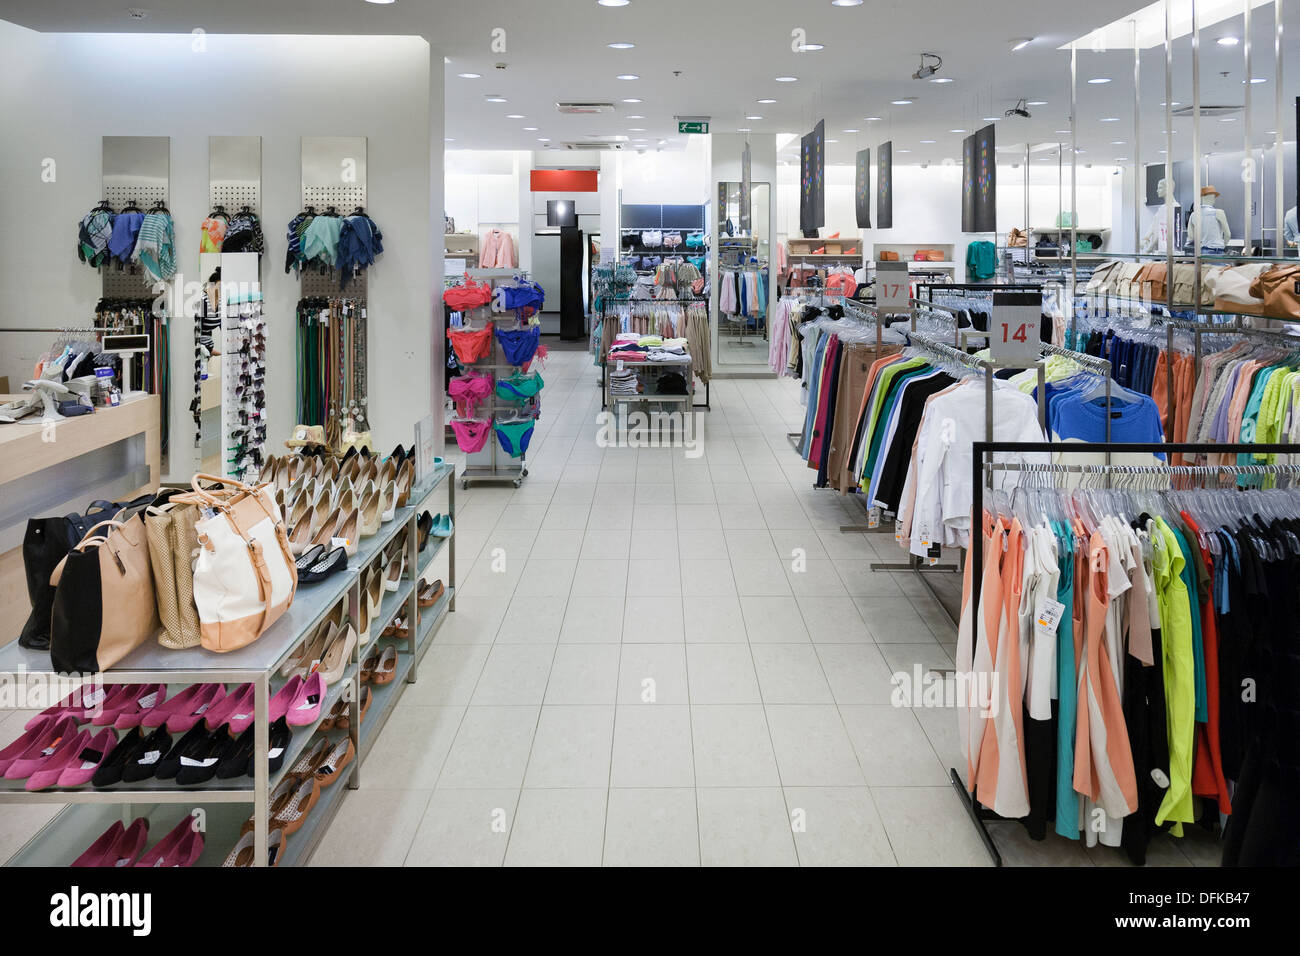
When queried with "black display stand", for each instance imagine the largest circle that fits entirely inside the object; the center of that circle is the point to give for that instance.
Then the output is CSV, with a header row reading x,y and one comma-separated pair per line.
x,y
572,326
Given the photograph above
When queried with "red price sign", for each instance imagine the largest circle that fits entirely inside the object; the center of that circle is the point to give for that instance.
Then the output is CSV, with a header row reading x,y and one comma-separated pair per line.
x,y
893,287
1014,330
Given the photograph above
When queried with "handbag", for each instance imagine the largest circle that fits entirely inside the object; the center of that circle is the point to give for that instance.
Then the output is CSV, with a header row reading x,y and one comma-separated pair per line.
x,y
103,599
888,256
45,543
173,543
1103,278
1234,290
244,576
1017,239
1280,289
1152,282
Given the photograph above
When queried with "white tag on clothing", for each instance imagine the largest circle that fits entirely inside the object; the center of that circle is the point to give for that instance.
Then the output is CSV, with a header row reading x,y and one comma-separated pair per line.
x,y
1048,617
1160,779
873,518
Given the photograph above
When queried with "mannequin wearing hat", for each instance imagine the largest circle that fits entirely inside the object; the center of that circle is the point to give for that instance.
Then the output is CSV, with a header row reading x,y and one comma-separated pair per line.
x,y
1157,237
1208,226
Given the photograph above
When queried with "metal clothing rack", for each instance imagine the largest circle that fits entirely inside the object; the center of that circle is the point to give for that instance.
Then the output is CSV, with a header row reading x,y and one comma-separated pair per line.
x,y
981,471
496,470
604,364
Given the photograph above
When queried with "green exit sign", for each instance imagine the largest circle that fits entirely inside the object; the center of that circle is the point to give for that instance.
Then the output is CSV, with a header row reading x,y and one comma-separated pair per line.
x,y
692,127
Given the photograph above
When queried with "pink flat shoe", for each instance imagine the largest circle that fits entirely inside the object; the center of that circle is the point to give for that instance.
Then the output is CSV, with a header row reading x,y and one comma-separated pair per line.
x,y
76,705
63,755
306,705
181,847
82,766
16,748
183,719
121,700
236,709
116,846
184,702
134,711
284,698
41,745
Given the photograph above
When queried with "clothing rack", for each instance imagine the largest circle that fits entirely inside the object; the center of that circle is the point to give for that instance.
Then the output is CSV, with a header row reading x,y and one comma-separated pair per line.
x,y
982,470
602,355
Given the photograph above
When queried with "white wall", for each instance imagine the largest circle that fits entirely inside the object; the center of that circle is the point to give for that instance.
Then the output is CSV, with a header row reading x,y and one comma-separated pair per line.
x,y
57,104
482,189
669,177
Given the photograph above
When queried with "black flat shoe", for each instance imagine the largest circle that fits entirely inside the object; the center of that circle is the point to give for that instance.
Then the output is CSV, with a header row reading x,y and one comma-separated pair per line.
x,y
199,761
110,771
330,564
141,764
309,558
237,757
170,765
424,525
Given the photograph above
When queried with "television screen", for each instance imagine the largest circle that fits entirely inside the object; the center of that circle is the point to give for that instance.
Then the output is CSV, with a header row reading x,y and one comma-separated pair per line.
x,y
561,213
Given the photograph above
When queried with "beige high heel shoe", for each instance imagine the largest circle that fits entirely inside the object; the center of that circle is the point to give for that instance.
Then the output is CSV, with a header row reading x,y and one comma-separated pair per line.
x,y
393,574
374,595
388,502
369,472
347,497
325,530
370,514
348,529
300,532
405,478
387,472
297,508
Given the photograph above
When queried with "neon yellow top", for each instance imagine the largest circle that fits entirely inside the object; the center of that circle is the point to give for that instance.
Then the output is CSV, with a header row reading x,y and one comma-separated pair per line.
x,y
1178,667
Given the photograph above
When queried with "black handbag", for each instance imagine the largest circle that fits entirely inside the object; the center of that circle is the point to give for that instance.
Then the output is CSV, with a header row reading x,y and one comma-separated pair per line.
x,y
46,543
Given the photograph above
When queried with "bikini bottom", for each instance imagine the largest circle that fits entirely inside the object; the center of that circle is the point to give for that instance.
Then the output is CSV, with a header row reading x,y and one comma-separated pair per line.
x,y
519,388
471,344
471,434
520,345
515,436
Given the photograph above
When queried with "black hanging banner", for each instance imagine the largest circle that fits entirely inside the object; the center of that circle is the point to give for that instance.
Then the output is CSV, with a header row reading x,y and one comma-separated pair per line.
x,y
885,187
862,189
986,181
812,192
968,184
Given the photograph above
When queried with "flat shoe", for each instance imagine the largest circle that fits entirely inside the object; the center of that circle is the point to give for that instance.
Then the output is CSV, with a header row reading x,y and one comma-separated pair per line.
x,y
339,756
241,854
431,594
344,720
386,670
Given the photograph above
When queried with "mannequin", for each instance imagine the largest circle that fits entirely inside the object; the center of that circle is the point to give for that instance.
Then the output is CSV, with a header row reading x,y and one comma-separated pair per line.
x,y
1209,226
1290,230
1157,238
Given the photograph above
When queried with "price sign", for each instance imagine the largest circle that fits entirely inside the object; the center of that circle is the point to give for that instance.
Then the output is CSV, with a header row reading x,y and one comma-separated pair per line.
x,y
893,288
1014,330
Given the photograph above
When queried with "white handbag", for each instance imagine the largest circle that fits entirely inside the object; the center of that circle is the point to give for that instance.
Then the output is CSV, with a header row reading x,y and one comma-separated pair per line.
x,y
245,576
1232,289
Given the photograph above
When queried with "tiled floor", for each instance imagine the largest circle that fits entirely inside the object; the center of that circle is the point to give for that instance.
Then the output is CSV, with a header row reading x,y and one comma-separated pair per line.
x,y
659,659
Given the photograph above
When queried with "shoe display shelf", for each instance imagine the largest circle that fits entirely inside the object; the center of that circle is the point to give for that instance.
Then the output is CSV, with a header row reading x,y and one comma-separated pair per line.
x,y
223,806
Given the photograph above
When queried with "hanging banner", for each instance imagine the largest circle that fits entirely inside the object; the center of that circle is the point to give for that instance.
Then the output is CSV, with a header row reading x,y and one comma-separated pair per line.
x,y
812,181
746,191
862,189
885,187
968,184
986,181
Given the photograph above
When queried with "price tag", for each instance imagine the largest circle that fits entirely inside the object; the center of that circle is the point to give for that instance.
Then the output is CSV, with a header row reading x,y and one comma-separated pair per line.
x,y
873,518
1014,330
893,288
1047,617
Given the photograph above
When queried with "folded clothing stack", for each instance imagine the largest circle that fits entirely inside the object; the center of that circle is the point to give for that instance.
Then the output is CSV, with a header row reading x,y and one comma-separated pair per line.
x,y
624,382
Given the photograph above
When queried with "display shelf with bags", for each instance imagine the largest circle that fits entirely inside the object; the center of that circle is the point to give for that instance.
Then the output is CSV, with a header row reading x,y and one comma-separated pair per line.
x,y
264,665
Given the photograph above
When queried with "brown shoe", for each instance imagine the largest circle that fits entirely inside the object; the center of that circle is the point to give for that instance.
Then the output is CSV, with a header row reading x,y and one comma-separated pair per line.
x,y
431,594
339,756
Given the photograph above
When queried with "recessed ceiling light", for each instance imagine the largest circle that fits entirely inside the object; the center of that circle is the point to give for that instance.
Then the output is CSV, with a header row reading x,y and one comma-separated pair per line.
x,y
1117,142
811,48
787,79
448,139
904,151
941,79
846,3
927,142
872,119
991,119
469,76
632,99
543,139
956,131
1228,41
627,76
1121,159
621,45
495,99
1020,43
1080,150
832,141
1227,119
531,129
1110,119
901,102
1062,132
1097,80
1255,79
635,116
1174,103
744,129
753,116
514,116
850,131
636,129
613,3
381,1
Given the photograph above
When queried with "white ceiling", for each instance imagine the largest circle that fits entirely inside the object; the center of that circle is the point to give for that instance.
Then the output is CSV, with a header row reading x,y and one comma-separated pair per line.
x,y
717,58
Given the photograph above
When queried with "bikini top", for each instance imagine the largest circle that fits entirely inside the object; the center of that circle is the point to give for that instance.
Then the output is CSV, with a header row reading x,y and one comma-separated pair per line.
x,y
519,388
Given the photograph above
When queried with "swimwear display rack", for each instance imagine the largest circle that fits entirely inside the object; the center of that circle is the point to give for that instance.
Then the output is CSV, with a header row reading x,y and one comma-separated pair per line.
x,y
982,468
223,805
496,469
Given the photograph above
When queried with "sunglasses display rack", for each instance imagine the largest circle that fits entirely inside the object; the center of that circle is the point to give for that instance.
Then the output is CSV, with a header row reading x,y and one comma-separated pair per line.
x,y
243,380
227,807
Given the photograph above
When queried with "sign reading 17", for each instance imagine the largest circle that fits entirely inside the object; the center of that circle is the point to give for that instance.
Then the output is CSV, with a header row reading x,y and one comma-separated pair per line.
x,y
893,291
1015,333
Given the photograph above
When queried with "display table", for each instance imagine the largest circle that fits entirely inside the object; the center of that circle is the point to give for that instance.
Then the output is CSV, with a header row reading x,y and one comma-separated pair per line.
x,y
59,468
681,365
225,803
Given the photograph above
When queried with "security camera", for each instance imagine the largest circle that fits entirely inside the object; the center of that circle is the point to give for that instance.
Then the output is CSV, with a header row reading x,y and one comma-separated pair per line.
x,y
1020,109
926,70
